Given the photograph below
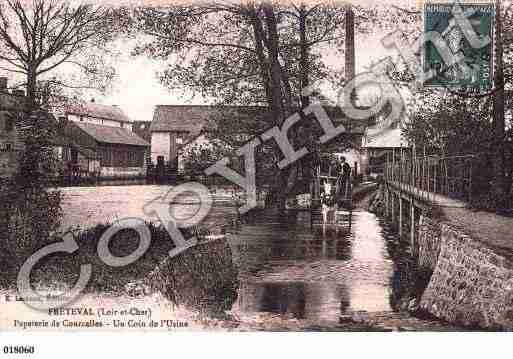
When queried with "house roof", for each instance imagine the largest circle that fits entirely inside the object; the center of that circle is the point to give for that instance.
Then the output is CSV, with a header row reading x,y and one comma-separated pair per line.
x,y
92,109
376,137
193,118
111,135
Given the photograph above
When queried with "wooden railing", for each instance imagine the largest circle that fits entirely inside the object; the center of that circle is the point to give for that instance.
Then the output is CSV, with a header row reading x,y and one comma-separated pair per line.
x,y
433,175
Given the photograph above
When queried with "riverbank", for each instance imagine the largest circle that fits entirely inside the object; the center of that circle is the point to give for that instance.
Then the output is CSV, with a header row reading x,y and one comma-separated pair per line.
x,y
278,274
465,259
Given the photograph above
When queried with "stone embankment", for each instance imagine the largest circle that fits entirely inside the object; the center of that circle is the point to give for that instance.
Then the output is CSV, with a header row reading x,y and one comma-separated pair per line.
x,y
471,282
471,285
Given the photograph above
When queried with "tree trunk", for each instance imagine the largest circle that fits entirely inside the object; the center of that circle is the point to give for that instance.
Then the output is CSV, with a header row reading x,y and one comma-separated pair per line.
x,y
31,90
273,49
305,80
258,32
277,96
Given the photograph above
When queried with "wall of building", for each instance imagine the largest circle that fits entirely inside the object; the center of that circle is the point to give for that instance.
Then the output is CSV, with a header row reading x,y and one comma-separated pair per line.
x,y
9,145
121,156
99,121
160,145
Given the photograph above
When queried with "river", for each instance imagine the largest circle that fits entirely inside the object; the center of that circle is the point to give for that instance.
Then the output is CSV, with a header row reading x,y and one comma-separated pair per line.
x,y
291,277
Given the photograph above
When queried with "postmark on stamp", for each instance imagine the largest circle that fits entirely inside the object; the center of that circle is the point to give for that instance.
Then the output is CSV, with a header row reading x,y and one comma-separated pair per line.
x,y
467,30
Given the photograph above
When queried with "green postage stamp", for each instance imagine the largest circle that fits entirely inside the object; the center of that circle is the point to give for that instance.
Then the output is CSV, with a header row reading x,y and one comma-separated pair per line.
x,y
466,33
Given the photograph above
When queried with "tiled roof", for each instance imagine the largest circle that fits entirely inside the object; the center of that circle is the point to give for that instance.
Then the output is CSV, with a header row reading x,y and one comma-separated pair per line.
x,y
192,118
92,109
112,135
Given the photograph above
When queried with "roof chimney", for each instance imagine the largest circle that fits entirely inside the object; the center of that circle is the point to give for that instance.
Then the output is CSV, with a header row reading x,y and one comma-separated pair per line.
x,y
3,83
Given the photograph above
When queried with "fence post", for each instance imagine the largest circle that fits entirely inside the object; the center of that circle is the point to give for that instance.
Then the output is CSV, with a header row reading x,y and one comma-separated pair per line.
x,y
393,165
435,174
412,227
470,180
400,216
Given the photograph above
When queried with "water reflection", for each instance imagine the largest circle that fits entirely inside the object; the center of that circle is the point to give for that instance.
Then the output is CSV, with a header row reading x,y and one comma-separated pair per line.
x,y
288,269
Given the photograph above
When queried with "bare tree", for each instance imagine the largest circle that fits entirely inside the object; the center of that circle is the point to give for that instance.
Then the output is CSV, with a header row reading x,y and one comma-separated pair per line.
x,y
38,36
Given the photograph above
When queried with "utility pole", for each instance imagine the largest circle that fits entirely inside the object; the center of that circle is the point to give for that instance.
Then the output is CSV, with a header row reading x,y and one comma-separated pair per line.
x,y
498,113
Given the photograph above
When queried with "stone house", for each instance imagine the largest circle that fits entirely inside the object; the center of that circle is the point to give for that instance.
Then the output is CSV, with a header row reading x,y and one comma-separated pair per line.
x,y
174,126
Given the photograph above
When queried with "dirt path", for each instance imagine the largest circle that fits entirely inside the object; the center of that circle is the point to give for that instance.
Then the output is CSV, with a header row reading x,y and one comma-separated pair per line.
x,y
495,232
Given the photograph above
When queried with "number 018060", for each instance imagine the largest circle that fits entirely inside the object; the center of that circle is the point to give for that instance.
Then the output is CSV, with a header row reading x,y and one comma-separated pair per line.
x,y
18,349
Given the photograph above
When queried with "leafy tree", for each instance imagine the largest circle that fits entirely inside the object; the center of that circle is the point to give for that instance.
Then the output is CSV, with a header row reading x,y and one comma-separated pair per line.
x,y
253,54
451,123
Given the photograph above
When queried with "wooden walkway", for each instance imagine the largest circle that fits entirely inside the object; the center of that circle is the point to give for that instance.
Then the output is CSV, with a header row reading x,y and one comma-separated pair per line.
x,y
493,231
430,197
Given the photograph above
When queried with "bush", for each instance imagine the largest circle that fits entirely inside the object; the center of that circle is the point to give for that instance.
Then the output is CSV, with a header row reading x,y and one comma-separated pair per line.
x,y
30,211
204,278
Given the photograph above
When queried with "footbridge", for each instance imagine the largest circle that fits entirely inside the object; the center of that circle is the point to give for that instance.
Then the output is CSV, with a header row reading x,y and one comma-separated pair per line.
x,y
414,184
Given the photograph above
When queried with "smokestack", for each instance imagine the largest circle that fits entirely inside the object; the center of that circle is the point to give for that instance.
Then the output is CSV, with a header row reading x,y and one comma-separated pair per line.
x,y
350,51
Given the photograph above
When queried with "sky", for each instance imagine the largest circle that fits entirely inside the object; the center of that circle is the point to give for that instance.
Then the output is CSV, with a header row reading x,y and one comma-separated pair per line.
x,y
137,89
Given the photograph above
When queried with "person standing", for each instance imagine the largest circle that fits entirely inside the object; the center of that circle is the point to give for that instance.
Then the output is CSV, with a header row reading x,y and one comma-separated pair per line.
x,y
343,179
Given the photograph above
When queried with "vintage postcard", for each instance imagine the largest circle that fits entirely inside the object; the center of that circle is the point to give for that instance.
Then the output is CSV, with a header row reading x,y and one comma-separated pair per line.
x,y
248,166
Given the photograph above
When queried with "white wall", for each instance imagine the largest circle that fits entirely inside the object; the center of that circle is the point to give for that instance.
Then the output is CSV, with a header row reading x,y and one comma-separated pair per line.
x,y
160,145
99,121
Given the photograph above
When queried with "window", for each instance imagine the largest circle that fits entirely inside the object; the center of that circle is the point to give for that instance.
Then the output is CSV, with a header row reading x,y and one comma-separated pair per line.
x,y
106,157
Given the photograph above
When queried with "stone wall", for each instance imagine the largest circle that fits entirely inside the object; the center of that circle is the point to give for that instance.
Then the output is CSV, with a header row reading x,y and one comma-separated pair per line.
x,y
470,285
428,243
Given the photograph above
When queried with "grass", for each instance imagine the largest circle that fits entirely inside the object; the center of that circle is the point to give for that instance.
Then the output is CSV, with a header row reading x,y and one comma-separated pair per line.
x,y
64,268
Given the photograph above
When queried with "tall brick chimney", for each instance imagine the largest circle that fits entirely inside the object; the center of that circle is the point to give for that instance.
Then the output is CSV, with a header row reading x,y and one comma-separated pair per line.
x,y
350,58
350,43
